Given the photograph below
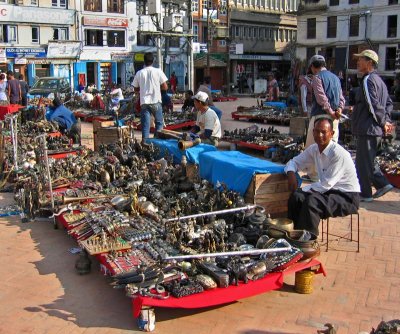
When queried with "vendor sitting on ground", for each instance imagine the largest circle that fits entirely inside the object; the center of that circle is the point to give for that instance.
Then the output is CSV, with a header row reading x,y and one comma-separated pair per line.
x,y
166,102
207,125
66,120
97,102
337,192
188,104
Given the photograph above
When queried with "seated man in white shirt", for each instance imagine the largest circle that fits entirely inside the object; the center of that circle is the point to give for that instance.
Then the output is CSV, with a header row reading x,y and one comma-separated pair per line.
x,y
337,191
207,125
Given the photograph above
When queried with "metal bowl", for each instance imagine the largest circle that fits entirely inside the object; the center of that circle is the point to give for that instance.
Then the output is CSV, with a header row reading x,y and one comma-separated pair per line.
x,y
282,223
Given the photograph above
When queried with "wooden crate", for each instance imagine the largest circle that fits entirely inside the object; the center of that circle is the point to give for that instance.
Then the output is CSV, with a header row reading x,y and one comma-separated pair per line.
x,y
104,132
270,191
298,126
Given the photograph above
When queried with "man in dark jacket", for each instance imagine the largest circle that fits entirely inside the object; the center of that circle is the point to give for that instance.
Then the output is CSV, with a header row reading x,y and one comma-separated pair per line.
x,y
24,90
370,121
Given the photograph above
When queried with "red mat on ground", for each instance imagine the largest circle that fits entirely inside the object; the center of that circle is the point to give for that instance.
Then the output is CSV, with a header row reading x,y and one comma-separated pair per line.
x,y
230,294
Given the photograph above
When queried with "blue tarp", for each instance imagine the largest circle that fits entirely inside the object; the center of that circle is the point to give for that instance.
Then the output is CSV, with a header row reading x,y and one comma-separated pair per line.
x,y
279,105
235,169
171,146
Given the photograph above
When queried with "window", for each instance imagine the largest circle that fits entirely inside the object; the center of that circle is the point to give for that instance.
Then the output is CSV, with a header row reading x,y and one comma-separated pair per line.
x,y
34,2
144,40
237,31
351,2
174,42
92,5
392,26
311,28
393,2
195,5
196,33
60,34
141,7
94,37
115,38
115,6
222,43
390,63
8,33
9,2
333,2
205,34
310,52
354,25
59,3
35,35
332,27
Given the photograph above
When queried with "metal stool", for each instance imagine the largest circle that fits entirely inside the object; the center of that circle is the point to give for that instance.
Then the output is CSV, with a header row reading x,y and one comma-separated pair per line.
x,y
342,236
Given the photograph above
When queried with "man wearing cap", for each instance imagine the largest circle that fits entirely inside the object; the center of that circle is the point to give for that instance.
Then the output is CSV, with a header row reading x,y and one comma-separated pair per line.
x,y
149,82
370,121
327,100
207,125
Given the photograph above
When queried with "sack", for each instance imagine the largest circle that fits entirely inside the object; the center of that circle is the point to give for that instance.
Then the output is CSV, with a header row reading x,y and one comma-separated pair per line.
x,y
147,319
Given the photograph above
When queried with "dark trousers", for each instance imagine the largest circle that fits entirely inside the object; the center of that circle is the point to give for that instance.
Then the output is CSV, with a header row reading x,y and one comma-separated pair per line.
x,y
306,209
368,170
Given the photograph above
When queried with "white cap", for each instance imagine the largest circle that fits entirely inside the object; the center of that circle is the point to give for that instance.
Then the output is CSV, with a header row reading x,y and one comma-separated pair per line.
x,y
201,96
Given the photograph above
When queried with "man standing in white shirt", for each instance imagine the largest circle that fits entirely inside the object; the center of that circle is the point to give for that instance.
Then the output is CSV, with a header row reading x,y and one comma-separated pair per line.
x,y
149,82
337,191
207,125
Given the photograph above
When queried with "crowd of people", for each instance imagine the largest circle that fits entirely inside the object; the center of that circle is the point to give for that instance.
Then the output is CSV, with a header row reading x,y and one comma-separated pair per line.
x,y
12,90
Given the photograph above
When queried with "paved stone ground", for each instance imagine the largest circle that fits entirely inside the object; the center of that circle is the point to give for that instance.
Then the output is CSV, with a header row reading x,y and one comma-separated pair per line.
x,y
41,292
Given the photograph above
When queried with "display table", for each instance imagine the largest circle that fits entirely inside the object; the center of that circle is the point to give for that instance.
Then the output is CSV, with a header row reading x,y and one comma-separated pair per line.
x,y
233,168
230,294
171,147
10,109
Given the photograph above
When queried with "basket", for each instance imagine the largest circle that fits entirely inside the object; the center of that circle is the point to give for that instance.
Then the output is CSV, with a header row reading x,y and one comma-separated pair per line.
x,y
304,281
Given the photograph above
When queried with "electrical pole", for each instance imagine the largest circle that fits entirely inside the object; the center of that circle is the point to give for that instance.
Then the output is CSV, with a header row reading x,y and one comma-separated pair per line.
x,y
208,37
190,69
228,61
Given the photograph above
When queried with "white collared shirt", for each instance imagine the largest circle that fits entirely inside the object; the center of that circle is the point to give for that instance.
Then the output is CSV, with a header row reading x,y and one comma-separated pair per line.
x,y
334,166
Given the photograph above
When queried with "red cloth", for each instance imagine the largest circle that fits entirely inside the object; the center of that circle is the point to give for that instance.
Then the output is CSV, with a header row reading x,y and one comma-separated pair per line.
x,y
225,295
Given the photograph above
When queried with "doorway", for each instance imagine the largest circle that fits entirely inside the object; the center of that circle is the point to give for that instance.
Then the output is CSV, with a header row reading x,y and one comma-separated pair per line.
x,y
91,74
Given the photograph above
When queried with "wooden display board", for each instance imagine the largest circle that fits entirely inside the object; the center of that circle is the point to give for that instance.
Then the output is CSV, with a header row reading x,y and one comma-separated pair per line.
x,y
271,191
105,132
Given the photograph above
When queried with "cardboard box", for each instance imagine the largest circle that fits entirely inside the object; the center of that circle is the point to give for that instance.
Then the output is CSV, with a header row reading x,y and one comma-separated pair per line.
x,y
271,191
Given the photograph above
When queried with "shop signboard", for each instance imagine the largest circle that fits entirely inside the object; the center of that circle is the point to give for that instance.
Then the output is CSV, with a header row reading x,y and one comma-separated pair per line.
x,y
196,47
20,61
25,52
26,14
64,49
3,58
122,56
116,22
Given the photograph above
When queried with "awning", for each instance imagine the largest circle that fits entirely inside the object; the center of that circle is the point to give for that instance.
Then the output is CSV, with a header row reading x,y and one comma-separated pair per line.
x,y
202,62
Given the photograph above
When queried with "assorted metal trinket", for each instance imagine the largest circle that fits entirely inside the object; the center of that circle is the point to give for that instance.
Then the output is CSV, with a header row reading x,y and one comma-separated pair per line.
x,y
159,232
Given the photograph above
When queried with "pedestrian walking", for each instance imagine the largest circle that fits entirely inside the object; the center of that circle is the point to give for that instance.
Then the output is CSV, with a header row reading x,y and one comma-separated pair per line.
x,y
13,89
3,90
370,121
24,90
149,82
173,80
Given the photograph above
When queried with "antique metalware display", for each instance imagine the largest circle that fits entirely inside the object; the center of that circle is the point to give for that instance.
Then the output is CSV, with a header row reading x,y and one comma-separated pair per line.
x,y
158,232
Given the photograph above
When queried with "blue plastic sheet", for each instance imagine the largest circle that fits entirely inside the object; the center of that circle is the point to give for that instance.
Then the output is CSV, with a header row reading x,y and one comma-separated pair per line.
x,y
235,169
171,147
279,105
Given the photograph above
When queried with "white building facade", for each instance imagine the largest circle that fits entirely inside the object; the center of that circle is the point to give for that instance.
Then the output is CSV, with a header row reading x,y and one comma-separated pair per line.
x,y
338,29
